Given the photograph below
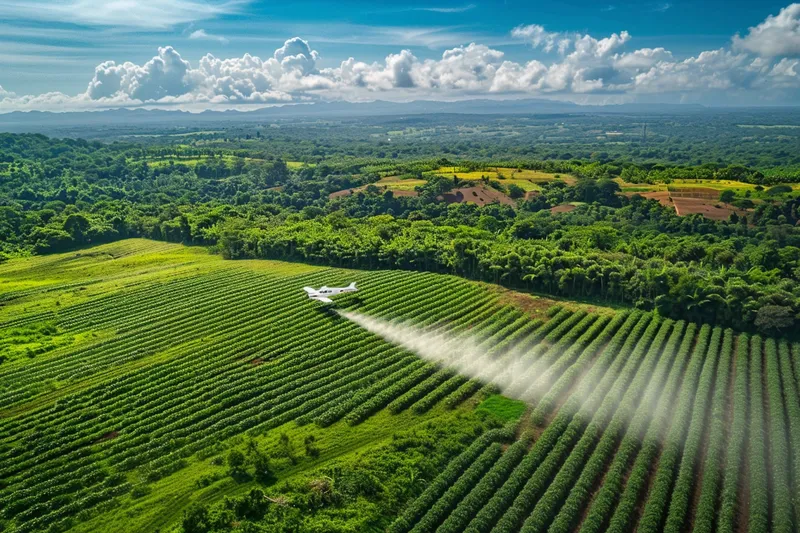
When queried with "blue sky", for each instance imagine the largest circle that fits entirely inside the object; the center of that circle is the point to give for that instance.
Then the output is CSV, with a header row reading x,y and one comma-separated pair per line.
x,y
54,47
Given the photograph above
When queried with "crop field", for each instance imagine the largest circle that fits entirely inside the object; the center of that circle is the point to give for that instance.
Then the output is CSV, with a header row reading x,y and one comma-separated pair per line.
x,y
529,180
132,370
299,164
687,185
394,183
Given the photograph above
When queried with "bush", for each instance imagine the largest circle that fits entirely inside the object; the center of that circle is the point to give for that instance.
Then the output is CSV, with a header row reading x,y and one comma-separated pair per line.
x,y
235,461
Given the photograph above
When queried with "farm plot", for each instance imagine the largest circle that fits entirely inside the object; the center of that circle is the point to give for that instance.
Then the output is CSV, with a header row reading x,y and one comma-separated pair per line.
x,y
529,180
630,421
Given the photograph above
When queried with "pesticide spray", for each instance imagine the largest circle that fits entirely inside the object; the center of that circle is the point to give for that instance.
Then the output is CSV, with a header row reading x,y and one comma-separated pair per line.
x,y
467,354
522,373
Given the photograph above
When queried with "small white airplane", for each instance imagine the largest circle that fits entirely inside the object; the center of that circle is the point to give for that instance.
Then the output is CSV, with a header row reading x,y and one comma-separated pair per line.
x,y
323,293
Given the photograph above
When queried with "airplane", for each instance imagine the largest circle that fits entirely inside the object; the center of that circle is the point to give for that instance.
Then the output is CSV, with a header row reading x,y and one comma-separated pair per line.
x,y
322,294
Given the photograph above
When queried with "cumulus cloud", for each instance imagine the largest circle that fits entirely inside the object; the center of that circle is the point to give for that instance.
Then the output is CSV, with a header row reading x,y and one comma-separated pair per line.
x,y
167,74
588,66
711,70
202,34
642,58
538,37
778,35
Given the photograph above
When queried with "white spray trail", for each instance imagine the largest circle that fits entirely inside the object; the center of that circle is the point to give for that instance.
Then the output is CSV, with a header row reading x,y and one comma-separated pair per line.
x,y
521,376
464,353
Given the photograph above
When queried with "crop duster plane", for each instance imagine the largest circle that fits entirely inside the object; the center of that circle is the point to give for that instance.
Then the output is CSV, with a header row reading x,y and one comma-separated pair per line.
x,y
322,294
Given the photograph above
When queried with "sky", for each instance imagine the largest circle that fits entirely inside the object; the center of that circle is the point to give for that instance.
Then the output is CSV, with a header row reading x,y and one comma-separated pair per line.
x,y
68,55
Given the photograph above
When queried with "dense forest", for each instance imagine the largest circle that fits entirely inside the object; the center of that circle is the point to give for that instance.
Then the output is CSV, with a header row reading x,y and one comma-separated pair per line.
x,y
245,200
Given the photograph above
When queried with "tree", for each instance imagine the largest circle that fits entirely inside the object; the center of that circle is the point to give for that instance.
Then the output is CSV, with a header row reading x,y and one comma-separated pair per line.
x,y
727,196
263,468
773,319
515,191
235,461
195,519
77,225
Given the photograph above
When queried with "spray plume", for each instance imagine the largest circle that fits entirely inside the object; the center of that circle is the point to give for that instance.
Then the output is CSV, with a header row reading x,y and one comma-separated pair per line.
x,y
467,354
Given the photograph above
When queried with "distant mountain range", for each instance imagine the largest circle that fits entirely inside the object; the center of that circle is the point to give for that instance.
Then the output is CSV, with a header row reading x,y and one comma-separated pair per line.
x,y
40,120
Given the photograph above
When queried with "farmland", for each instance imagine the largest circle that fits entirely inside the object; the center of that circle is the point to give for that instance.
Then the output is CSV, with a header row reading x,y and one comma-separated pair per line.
x,y
528,180
166,388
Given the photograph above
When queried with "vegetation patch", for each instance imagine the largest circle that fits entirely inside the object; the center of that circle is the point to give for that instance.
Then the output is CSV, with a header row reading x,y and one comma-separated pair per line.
x,y
501,407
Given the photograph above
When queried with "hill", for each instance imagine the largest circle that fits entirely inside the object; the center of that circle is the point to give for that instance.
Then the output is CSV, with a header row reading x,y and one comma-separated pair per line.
x,y
151,386
35,121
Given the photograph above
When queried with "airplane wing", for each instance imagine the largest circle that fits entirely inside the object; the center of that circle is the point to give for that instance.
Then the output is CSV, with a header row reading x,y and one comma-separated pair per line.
x,y
322,299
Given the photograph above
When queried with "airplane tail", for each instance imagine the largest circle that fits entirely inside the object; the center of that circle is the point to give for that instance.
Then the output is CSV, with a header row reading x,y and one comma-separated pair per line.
x,y
352,286
309,290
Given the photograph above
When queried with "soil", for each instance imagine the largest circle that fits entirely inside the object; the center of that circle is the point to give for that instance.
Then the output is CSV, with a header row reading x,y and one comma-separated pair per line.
x,y
348,192
563,208
530,195
108,436
662,197
477,195
691,200
709,209
532,305
694,192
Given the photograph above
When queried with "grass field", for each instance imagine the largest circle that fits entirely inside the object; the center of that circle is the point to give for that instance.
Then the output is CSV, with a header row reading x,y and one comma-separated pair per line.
x,y
529,180
397,184
719,185
191,162
171,362
299,164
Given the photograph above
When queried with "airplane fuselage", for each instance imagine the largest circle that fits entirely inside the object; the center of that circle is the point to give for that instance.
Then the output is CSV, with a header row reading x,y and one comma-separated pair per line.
x,y
323,294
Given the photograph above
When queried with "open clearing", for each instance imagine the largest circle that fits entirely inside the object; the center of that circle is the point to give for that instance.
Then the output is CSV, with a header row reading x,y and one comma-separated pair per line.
x,y
479,194
529,180
690,198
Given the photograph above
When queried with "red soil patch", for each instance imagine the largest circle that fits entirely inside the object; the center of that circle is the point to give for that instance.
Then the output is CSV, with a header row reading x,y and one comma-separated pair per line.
x,y
661,196
339,194
709,209
530,195
108,436
563,208
476,195
257,361
348,192
694,192
691,200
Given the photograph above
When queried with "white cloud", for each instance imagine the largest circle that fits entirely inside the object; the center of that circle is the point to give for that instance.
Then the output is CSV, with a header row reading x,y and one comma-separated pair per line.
x,y
778,35
786,67
642,58
165,75
597,67
202,34
151,14
457,9
538,37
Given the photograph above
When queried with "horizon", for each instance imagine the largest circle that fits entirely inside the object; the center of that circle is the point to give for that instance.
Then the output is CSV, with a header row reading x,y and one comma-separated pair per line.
x,y
246,109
